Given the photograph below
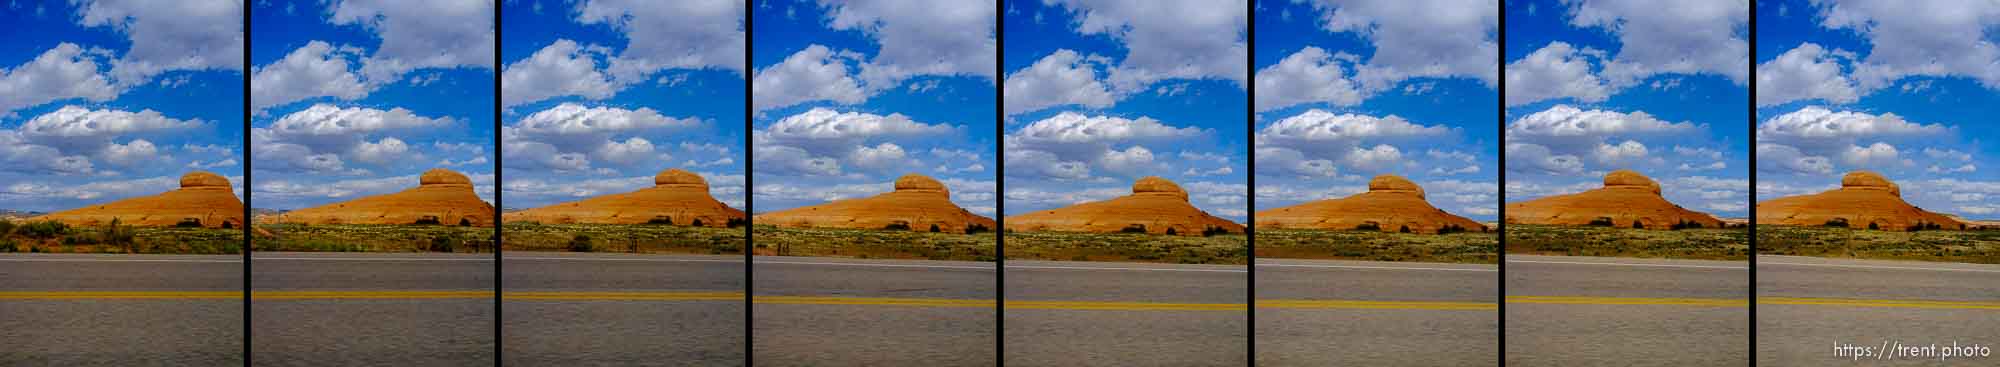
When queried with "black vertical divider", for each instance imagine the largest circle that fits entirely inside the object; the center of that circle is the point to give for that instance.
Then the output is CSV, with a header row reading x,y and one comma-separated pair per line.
x,y
247,220
1000,184
749,184
1500,60
498,222
1250,186
1751,62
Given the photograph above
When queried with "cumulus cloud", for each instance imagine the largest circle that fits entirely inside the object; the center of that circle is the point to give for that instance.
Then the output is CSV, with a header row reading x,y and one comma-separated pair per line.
x,y
1555,71
919,38
670,35
1803,141
1569,129
1807,72
318,69
570,136
563,68
1308,76
324,138
64,72
1061,78
1419,39
816,73
1173,39
822,142
1928,38
1312,143
420,34
168,35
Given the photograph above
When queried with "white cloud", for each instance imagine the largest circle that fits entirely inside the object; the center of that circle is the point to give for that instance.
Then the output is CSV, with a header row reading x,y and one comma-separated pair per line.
x,y
1801,141
1419,39
421,34
170,35
1537,158
813,74
1469,169
569,136
1132,161
1878,154
919,38
64,72
1310,143
1951,154
1061,78
670,35
323,138
1550,140
1807,72
1940,38
563,68
1621,154
316,70
1308,76
199,164
1168,39
136,153
1555,71
1698,152
1783,158
387,150
1691,37
1705,167
820,142
881,156
1965,168
1040,164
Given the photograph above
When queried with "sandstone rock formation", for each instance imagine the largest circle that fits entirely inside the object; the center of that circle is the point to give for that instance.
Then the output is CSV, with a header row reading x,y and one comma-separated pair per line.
x,y
1864,200
1155,206
441,197
677,197
918,203
1627,200
204,199
1392,204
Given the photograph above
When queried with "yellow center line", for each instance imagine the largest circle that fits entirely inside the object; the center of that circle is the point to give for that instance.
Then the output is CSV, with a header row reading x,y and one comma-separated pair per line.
x,y
59,295
297,295
1879,303
1384,305
1561,300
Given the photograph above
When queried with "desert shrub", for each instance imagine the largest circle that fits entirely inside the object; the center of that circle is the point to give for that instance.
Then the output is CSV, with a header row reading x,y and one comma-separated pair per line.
x,y
81,239
1404,229
1451,228
696,222
1135,228
898,226
934,228
661,220
1170,231
464,222
444,244
118,234
975,228
43,229
1638,225
428,220
1601,222
1873,227
1211,231
581,243
6,227
185,223
8,245
737,222
1369,226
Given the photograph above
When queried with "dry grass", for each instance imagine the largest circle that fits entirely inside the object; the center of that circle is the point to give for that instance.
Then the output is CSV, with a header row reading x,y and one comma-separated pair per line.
x,y
372,238
1950,246
1705,244
1231,249
1469,248
628,238
872,243
145,240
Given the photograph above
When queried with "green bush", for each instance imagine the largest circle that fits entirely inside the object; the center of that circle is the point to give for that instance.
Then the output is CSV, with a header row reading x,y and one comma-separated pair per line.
x,y
975,228
1369,226
184,223
7,245
1601,222
661,220
581,243
43,229
444,244
1136,228
6,227
897,226
696,222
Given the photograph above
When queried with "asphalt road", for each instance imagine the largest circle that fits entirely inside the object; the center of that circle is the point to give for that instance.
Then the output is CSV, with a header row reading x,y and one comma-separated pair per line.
x,y
1806,306
1590,311
568,309
47,319
1125,314
851,312
1369,313
372,309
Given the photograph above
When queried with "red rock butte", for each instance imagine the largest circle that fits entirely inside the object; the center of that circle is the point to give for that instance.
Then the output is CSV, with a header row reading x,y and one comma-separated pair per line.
x,y
677,197
918,203
441,197
1392,204
1864,200
1155,206
1626,198
203,199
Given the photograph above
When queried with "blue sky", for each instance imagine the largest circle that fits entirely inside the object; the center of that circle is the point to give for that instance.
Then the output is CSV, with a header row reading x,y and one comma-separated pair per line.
x,y
1102,93
357,97
852,95
602,96
1409,87
106,101
1595,86
1906,90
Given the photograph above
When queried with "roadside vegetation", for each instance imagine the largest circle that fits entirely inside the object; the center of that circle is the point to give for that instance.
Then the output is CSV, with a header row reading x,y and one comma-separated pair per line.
x,y
117,238
1612,241
1216,248
1461,247
872,243
371,238
1829,241
626,238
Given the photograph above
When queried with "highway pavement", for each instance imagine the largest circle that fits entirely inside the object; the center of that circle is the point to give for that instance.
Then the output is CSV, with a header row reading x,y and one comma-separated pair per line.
x,y
1595,311
121,310
1371,313
1062,313
568,309
372,309
813,311
1806,307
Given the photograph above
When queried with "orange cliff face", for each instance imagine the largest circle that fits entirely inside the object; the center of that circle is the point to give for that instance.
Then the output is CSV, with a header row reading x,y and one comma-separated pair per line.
x,y
1864,200
677,197
1626,198
918,203
1156,206
441,196
203,199
1392,204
